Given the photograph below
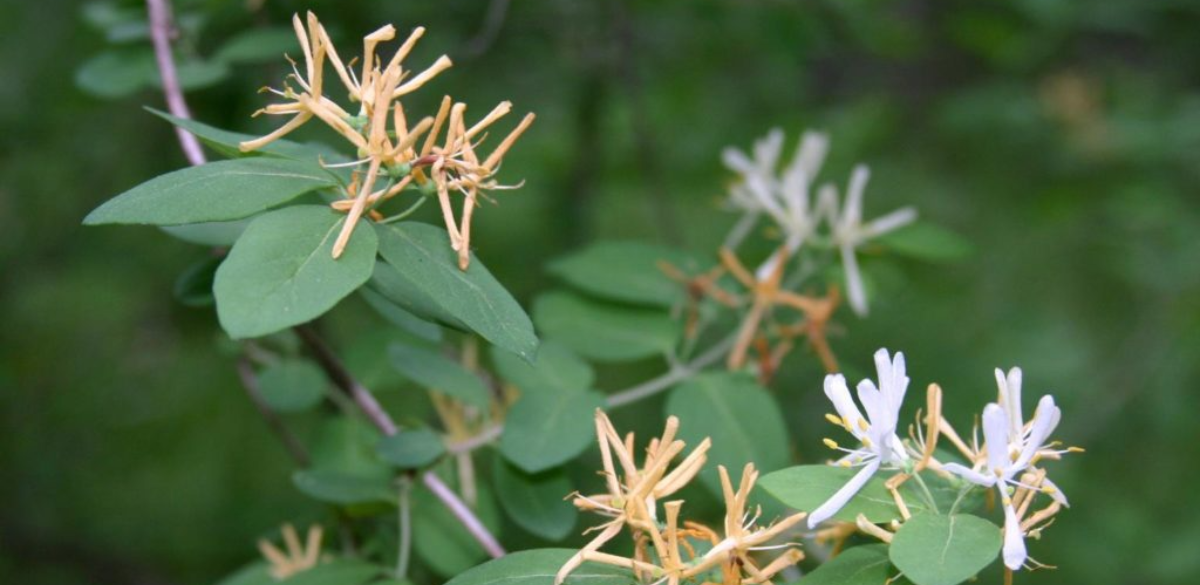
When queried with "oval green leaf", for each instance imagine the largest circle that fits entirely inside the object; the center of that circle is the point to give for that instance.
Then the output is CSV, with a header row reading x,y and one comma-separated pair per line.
x,y
411,449
860,565
344,489
535,501
556,367
628,272
741,417
806,487
944,550
546,428
218,191
426,266
538,567
441,541
604,332
282,273
292,385
436,372
927,241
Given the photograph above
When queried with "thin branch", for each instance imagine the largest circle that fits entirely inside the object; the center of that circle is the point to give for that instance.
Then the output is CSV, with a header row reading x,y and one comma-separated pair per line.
x,y
673,376
405,538
250,383
366,402
493,22
160,34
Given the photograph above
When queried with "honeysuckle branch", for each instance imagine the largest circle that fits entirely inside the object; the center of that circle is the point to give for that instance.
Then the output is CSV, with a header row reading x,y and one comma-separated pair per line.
x,y
160,36
330,363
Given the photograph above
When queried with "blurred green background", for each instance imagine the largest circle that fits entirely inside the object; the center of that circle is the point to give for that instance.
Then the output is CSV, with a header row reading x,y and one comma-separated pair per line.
x,y
1061,138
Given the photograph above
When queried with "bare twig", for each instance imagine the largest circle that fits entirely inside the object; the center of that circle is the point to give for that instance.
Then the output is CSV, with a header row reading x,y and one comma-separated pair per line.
x,y
250,383
492,23
160,34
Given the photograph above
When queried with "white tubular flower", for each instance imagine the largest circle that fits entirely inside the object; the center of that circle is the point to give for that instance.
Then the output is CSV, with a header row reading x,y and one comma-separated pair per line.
x,y
849,231
876,431
1008,455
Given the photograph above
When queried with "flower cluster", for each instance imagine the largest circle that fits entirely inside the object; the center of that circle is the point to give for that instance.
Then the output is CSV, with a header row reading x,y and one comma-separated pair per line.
x,y
395,154
665,551
1008,460
785,196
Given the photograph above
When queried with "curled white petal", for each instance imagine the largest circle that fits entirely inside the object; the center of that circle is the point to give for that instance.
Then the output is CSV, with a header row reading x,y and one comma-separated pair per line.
x,y
970,475
1014,540
843,495
995,437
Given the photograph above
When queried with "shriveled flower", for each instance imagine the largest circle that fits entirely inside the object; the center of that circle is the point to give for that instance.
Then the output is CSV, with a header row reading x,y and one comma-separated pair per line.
x,y
880,446
298,558
1011,448
632,496
381,134
850,232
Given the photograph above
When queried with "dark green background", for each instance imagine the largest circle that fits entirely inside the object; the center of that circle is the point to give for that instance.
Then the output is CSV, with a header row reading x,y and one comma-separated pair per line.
x,y
1061,138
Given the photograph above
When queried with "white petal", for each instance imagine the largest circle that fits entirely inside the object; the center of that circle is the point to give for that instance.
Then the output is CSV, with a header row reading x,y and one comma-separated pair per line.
x,y
767,151
1045,418
872,401
995,437
890,222
737,161
1056,493
975,477
1012,402
852,211
854,284
1014,540
839,395
893,382
811,153
827,205
843,495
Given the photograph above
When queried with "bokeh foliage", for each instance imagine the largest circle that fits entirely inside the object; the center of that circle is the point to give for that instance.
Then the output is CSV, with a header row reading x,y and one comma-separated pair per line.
x,y
1062,139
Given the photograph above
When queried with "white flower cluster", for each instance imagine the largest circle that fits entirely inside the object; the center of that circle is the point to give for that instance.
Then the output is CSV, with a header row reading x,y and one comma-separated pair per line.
x,y
785,196
1007,460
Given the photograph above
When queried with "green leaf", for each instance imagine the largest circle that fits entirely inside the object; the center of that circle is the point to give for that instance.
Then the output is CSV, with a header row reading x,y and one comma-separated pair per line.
x,y
439,373
546,428
411,449
213,234
292,385
625,271
740,417
806,487
219,191
424,263
944,550
927,241
225,142
860,565
117,73
335,572
556,367
442,542
347,445
194,287
281,271
600,332
538,567
257,45
341,488
536,501
198,74
400,317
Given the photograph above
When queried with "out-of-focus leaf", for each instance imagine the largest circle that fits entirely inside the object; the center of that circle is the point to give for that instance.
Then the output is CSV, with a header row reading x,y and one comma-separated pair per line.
x,y
859,565
335,572
601,332
400,317
117,73
219,191
625,271
281,272
343,488
555,367
927,241
546,428
944,550
425,264
194,287
536,501
292,385
257,45
199,74
740,417
411,449
537,567
443,544
436,372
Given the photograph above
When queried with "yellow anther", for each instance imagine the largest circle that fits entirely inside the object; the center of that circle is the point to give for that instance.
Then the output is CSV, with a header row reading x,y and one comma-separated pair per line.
x,y
835,419
830,443
844,463
862,425
866,441
1075,450
1048,489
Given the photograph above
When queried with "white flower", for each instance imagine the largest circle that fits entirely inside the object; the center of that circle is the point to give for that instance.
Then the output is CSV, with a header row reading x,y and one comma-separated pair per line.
x,y
1011,449
783,196
876,431
849,231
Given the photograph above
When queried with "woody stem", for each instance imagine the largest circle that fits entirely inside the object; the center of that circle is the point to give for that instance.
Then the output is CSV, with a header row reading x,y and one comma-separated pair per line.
x,y
160,35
